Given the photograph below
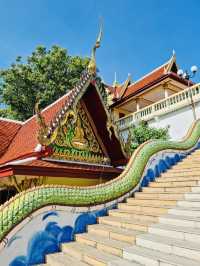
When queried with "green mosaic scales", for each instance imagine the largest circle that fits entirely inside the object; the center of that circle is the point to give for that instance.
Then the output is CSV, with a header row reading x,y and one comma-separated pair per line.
x,y
23,204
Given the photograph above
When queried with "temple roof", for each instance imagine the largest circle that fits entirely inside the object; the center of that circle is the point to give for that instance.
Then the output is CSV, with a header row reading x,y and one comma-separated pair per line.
x,y
26,140
59,169
23,141
9,129
168,69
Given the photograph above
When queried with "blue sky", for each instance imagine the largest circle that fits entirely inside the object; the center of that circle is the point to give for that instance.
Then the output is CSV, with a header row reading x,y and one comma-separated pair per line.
x,y
138,35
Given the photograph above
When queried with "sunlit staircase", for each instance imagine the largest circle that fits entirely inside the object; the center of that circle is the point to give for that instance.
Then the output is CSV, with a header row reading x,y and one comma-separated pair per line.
x,y
159,226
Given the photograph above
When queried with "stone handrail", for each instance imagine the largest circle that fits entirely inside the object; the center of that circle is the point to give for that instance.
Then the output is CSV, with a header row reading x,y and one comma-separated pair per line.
x,y
23,204
169,104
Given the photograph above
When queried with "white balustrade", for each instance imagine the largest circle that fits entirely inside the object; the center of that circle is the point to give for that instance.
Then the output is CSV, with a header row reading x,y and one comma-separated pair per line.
x,y
170,104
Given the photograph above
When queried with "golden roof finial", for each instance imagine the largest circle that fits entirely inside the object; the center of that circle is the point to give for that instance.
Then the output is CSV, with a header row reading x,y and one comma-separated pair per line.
x,y
43,129
115,80
92,64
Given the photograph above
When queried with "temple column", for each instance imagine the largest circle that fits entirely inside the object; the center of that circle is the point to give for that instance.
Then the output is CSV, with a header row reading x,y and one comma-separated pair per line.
x,y
137,104
166,92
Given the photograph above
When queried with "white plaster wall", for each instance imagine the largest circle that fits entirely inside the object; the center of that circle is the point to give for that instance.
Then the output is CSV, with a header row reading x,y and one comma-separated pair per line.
x,y
179,121
35,224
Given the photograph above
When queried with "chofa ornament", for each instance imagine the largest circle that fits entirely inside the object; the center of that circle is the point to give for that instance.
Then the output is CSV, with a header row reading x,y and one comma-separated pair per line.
x,y
92,68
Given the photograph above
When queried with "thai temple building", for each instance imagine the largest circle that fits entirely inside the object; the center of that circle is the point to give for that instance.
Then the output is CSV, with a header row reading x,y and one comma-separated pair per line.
x,y
70,193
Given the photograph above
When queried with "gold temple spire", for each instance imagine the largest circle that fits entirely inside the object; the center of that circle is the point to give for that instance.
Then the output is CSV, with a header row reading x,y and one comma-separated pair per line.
x,y
115,80
92,64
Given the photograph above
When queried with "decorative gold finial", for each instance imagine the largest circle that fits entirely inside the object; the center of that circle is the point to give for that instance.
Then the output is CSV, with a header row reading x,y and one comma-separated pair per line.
x,y
43,129
92,64
115,80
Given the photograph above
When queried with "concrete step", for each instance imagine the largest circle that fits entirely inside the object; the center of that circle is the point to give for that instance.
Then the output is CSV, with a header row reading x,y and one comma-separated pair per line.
x,y
196,189
168,245
125,223
177,169
133,215
42,264
183,173
183,168
192,196
143,209
114,233
149,257
177,232
193,212
175,184
178,220
192,164
160,196
110,246
94,257
189,203
177,178
152,202
62,259
167,189
190,159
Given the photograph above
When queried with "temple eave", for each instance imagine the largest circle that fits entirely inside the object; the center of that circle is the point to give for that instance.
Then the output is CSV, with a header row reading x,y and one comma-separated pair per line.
x,y
43,168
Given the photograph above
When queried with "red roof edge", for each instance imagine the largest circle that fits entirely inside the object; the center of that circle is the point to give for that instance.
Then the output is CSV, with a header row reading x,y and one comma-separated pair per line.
x,y
171,75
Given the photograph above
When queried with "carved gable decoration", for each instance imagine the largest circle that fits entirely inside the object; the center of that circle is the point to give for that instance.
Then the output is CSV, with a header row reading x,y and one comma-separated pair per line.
x,y
75,140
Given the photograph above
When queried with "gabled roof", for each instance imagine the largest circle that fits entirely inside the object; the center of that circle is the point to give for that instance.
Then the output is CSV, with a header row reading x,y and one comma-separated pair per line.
x,y
154,75
167,69
8,130
25,141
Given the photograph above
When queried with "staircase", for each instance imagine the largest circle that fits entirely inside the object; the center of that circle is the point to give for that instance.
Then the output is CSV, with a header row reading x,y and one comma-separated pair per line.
x,y
159,226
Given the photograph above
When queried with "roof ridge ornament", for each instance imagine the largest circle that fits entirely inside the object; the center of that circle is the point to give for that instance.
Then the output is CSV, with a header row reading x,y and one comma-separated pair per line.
x,y
43,128
115,79
92,64
125,85
171,61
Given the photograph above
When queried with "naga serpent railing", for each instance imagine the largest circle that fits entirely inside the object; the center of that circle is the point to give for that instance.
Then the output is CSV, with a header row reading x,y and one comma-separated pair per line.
x,y
24,203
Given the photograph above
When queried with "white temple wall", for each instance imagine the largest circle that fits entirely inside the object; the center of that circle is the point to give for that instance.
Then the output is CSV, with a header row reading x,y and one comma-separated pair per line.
x,y
179,121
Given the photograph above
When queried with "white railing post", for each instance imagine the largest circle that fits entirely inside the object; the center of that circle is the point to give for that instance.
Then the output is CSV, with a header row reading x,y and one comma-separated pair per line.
x,y
183,98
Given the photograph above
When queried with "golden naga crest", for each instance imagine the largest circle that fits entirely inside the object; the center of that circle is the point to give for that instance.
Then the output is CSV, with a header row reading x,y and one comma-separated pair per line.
x,y
92,68
43,128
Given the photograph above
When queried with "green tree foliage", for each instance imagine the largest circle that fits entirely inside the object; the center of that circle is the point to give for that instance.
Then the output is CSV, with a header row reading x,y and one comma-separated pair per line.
x,y
141,133
46,74
7,113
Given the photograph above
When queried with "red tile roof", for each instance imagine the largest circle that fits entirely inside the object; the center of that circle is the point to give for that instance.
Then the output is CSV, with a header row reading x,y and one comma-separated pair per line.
x,y
145,80
26,138
8,130
162,72
24,143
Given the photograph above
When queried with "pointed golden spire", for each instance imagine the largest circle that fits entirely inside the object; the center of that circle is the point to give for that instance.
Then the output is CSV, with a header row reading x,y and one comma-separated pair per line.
x,y
92,64
115,80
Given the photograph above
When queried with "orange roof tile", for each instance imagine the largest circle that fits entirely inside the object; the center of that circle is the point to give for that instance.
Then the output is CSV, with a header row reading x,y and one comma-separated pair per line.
x,y
162,72
26,139
8,130
145,80
24,143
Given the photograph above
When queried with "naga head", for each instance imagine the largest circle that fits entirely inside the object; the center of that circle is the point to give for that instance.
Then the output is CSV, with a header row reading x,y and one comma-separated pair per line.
x,y
92,64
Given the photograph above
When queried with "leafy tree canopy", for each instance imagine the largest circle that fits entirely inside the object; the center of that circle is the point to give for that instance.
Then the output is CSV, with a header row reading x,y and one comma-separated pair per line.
x,y
46,74
141,133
